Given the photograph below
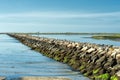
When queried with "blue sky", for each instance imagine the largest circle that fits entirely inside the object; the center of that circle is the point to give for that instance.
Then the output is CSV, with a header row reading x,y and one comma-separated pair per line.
x,y
59,15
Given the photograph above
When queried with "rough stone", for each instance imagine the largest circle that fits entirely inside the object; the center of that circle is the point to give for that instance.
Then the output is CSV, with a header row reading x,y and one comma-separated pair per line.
x,y
2,78
118,73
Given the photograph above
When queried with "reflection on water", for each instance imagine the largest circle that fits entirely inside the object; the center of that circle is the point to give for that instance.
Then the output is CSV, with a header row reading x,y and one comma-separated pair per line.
x,y
82,38
18,60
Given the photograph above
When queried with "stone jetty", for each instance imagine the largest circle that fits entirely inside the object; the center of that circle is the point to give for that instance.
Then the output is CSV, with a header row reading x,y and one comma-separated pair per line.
x,y
96,61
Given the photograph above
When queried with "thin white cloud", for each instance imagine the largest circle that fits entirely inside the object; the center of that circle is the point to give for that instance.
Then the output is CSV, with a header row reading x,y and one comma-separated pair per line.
x,y
60,15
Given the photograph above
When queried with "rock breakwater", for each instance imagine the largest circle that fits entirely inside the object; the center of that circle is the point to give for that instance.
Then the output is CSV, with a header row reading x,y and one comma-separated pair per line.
x,y
98,62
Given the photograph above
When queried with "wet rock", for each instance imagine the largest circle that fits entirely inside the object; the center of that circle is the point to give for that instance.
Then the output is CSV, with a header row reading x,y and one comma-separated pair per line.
x,y
116,67
90,50
100,60
84,48
118,74
2,78
118,58
94,58
112,61
107,65
102,71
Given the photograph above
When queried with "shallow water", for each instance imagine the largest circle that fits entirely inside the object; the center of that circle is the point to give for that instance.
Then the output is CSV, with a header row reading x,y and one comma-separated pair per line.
x,y
18,60
82,38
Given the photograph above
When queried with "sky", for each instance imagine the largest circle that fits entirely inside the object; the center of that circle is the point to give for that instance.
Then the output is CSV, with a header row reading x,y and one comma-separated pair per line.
x,y
60,16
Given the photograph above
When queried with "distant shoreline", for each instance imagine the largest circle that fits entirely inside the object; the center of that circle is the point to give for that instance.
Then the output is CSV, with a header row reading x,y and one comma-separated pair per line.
x,y
109,37
62,33
99,36
69,33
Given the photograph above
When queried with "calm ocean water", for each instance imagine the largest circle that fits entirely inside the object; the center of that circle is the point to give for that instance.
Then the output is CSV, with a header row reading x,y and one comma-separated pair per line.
x,y
82,38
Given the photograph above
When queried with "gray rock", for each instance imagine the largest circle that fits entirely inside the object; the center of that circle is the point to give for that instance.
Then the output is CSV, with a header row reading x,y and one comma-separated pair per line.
x,y
2,78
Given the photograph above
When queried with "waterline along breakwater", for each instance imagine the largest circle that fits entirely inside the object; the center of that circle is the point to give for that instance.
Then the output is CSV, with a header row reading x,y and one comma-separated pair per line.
x,y
98,62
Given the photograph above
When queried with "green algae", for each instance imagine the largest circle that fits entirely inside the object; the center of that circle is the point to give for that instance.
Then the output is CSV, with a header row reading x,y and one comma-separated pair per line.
x,y
113,78
65,59
85,74
72,61
56,58
82,67
95,71
105,76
